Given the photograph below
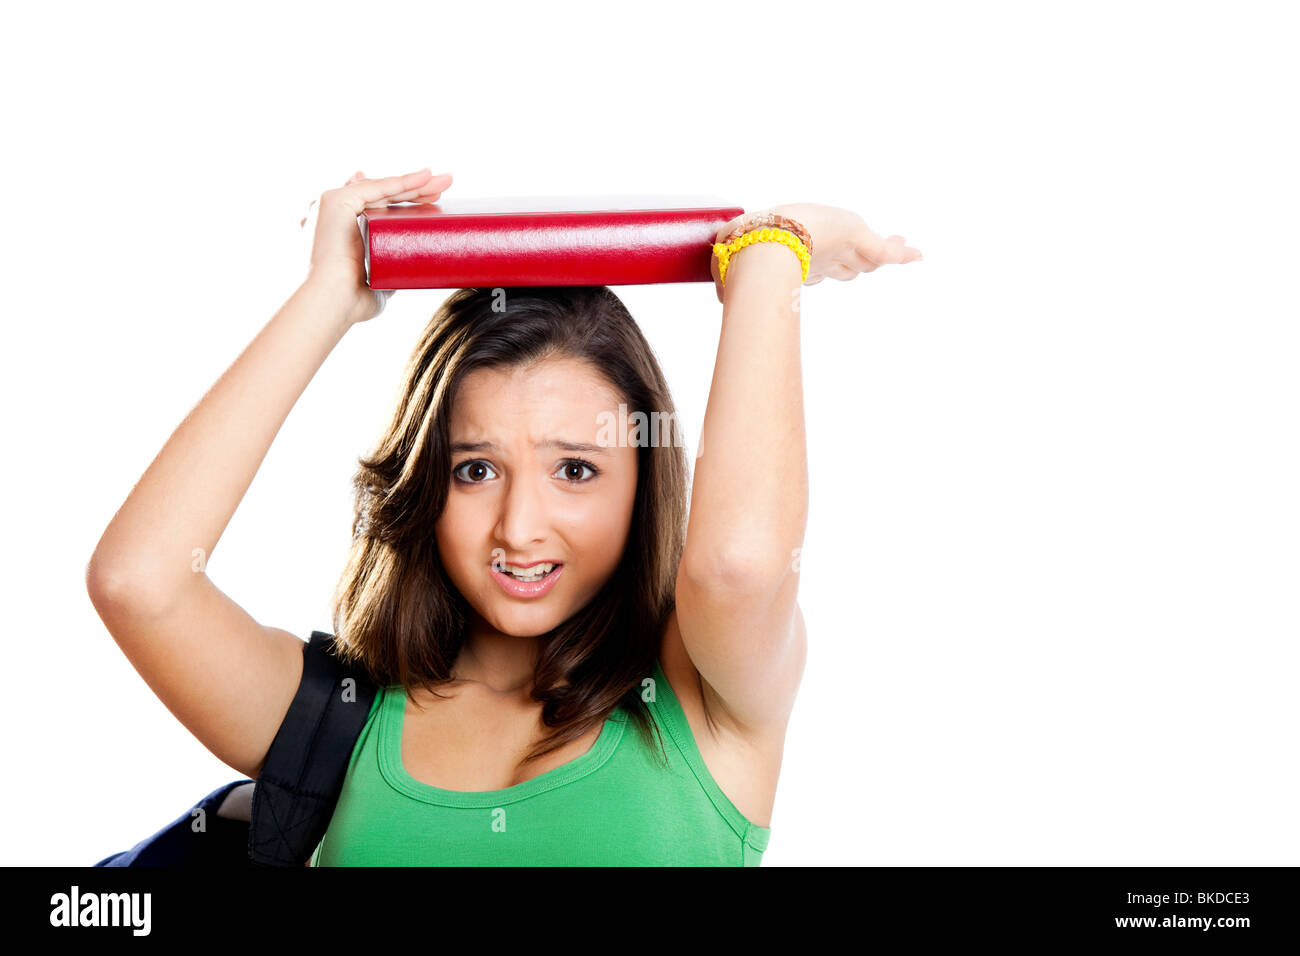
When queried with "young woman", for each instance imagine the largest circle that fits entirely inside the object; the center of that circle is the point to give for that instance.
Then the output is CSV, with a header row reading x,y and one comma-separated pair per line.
x,y
571,671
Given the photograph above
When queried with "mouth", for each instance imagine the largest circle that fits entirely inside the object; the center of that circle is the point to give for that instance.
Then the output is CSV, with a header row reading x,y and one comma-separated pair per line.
x,y
528,572
529,576
526,587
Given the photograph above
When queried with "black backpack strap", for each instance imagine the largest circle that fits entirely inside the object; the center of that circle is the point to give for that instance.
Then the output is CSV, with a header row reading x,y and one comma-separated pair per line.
x,y
303,772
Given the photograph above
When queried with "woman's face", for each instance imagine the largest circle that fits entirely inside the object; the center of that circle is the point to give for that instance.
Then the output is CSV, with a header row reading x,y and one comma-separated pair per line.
x,y
521,492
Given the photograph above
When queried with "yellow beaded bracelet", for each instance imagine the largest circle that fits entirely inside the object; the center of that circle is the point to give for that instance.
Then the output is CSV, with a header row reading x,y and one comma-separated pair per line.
x,y
724,252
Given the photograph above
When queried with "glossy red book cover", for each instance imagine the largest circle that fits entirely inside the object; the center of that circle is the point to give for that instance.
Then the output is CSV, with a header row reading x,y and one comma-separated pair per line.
x,y
542,240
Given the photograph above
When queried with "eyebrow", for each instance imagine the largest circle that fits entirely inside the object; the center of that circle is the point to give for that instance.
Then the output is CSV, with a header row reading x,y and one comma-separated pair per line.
x,y
561,444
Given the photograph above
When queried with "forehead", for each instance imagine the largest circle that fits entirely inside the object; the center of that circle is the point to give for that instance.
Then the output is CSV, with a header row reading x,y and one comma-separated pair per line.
x,y
555,394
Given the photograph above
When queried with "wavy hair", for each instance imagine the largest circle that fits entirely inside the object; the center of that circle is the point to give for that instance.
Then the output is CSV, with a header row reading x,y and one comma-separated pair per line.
x,y
398,615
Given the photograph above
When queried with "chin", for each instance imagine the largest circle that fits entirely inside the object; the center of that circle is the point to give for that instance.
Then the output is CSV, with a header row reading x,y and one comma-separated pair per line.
x,y
508,614
526,624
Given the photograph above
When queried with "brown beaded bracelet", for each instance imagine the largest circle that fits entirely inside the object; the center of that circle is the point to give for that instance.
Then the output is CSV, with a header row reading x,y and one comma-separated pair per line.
x,y
761,220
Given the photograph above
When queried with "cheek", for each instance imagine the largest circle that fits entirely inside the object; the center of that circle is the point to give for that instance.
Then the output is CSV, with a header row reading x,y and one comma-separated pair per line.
x,y
452,533
605,529
602,528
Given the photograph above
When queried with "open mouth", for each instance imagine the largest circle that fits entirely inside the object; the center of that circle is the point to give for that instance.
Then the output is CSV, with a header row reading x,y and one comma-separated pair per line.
x,y
531,578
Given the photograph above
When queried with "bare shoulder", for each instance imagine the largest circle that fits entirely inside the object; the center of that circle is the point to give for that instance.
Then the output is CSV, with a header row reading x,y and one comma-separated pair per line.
x,y
745,766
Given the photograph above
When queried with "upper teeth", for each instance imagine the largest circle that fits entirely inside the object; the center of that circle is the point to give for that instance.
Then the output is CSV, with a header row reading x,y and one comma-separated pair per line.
x,y
537,570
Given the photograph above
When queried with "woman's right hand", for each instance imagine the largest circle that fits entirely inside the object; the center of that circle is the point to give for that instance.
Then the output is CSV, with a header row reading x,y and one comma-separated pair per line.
x,y
337,254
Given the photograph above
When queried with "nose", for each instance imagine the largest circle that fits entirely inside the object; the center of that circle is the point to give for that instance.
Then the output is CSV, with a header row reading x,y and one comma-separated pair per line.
x,y
523,521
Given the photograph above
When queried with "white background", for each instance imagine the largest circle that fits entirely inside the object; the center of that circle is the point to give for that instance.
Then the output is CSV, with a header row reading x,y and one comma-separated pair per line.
x,y
1050,574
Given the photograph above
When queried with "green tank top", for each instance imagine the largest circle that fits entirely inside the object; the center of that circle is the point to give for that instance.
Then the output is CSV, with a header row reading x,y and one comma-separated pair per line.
x,y
616,805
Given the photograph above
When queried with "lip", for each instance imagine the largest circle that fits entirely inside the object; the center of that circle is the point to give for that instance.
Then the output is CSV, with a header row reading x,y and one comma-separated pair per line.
x,y
521,589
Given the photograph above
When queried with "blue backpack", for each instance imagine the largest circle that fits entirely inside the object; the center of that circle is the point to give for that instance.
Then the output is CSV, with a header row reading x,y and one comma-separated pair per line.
x,y
279,818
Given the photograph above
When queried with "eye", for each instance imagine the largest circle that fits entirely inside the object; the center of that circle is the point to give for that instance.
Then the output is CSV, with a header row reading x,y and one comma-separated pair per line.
x,y
577,463
475,465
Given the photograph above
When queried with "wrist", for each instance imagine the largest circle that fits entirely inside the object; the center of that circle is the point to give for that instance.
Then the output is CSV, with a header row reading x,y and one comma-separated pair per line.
x,y
330,299
772,259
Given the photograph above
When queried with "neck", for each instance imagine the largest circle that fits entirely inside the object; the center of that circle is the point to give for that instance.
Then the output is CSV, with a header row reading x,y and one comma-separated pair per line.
x,y
501,662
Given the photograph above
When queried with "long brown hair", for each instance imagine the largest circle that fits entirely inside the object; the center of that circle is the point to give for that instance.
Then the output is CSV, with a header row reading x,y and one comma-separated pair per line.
x,y
396,612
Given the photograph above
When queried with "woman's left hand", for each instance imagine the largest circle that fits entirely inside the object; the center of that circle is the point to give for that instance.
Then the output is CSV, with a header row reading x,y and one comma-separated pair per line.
x,y
843,244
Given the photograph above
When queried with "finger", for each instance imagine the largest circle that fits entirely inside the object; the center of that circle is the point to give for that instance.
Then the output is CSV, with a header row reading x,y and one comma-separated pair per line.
x,y
353,198
436,183
842,272
885,251
910,254
428,192
860,262
419,195
431,190
390,187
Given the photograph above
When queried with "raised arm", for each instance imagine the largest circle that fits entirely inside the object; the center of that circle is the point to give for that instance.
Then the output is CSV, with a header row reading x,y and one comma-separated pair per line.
x,y
226,677
738,579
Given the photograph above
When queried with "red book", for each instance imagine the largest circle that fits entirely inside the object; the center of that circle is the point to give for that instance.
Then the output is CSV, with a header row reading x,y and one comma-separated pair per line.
x,y
542,240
